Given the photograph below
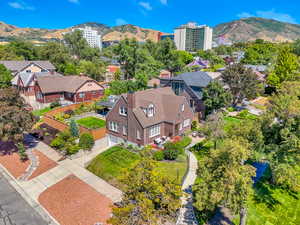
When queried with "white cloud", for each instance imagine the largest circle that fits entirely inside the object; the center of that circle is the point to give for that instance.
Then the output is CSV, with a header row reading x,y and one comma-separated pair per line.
x,y
120,22
20,5
164,2
74,1
269,14
146,5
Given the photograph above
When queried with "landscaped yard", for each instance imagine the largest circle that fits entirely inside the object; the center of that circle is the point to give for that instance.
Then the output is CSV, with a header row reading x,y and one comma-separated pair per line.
x,y
111,164
91,122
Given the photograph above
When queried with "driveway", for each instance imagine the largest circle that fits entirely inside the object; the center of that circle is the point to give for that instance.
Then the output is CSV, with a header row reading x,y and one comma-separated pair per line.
x,y
13,208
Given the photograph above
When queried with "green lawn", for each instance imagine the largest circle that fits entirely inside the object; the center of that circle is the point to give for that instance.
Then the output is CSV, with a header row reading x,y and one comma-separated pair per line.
x,y
91,122
270,206
111,164
41,112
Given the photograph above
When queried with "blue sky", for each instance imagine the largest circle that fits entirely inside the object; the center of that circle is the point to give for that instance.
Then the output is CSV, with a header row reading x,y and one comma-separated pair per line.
x,y
162,15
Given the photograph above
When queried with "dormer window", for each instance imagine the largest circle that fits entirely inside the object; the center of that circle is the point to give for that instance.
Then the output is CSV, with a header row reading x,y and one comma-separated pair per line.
x,y
182,107
123,111
151,110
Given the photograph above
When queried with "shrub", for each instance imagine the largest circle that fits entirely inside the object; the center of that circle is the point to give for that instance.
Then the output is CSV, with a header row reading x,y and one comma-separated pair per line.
x,y
158,156
86,141
22,153
57,143
183,143
66,116
194,125
54,105
74,129
170,154
59,117
230,109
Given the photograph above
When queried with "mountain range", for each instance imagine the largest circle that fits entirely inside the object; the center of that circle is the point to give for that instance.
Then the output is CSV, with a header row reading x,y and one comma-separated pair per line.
x,y
241,30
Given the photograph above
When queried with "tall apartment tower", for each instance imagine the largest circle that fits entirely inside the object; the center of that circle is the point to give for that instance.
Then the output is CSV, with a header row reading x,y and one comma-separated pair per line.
x,y
192,37
92,37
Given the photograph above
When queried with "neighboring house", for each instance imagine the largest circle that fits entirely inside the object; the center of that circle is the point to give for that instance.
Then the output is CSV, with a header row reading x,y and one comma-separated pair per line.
x,y
142,117
165,74
199,63
25,82
28,66
71,88
191,86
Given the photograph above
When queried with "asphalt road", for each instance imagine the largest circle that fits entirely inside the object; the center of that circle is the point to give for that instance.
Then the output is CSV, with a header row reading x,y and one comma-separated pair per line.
x,y
14,210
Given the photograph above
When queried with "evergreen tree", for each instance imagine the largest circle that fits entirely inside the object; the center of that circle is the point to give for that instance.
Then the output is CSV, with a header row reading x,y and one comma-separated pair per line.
x,y
74,128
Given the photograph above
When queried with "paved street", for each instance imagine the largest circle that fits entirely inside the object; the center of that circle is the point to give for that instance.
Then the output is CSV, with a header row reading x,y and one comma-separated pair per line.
x,y
13,208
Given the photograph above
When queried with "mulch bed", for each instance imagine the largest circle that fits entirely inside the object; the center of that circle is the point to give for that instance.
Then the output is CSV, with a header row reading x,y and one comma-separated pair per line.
x,y
45,133
73,202
45,164
13,164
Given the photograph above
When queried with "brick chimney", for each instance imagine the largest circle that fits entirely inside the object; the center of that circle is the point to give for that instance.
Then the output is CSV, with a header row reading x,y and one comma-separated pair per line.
x,y
131,100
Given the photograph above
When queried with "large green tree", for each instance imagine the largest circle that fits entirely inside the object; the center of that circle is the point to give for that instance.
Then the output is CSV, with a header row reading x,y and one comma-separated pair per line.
x,y
215,97
149,198
14,120
23,49
286,68
5,77
225,179
242,82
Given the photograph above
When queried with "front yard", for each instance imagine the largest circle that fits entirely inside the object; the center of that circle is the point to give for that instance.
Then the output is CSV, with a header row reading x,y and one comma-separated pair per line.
x,y
111,164
91,122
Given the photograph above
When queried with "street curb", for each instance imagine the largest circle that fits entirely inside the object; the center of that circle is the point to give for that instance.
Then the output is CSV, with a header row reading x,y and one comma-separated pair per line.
x,y
35,205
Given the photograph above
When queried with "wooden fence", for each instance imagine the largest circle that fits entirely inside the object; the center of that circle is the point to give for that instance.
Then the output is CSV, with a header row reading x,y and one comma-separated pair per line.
x,y
61,126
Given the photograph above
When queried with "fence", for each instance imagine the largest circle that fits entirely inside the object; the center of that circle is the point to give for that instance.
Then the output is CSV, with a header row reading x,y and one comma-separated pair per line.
x,y
51,121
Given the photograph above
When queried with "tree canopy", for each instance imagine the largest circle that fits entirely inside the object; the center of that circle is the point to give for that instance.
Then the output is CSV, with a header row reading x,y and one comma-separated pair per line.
x,y
5,77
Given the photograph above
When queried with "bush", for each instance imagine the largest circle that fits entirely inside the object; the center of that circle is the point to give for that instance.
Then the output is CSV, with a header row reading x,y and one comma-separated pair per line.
x,y
66,116
54,105
194,125
158,156
183,143
22,153
86,141
170,154
230,109
57,143
74,129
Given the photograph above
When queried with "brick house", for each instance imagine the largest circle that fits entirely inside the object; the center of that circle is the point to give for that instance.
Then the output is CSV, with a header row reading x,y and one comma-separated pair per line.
x,y
190,85
71,88
141,117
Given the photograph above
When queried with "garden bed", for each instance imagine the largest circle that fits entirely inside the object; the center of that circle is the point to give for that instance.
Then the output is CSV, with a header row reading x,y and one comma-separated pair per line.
x,y
45,133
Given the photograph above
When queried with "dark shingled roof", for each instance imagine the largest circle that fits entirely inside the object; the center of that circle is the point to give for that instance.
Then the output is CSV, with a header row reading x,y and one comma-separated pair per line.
x,y
196,79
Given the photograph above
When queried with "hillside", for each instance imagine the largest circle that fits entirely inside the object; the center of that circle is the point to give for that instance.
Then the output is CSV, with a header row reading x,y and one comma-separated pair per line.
x,y
7,32
247,29
253,28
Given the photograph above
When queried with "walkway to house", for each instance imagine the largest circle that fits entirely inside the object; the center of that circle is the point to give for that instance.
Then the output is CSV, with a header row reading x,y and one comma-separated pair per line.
x,y
186,213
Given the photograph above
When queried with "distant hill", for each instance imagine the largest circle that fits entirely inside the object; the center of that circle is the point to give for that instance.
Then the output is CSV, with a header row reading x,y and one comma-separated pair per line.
x,y
247,29
7,32
253,28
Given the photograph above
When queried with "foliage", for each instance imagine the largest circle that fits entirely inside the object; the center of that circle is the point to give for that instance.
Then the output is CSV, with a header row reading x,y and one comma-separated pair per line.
x,y
243,83
23,49
41,112
65,142
7,53
149,198
296,47
286,68
73,128
94,69
14,120
172,150
54,105
22,152
86,141
91,122
5,77
215,97
194,125
224,179
211,56
158,156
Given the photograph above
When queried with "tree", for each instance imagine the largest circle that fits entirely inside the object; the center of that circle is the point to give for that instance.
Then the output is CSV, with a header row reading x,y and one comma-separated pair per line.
x,y
86,141
224,179
14,120
213,127
6,53
95,69
286,68
211,56
24,49
74,128
149,198
215,97
296,47
5,77
242,82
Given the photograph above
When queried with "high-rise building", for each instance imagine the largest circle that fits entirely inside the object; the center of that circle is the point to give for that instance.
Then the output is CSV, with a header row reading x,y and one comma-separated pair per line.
x,y
192,37
92,37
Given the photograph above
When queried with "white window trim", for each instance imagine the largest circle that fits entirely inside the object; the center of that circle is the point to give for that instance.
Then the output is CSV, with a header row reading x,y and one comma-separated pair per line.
x,y
186,122
154,131
113,126
123,111
125,130
151,110
182,108
138,135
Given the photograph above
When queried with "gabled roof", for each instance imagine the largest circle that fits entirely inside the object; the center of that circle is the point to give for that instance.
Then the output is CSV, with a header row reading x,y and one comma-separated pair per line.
x,y
167,106
20,65
54,84
196,79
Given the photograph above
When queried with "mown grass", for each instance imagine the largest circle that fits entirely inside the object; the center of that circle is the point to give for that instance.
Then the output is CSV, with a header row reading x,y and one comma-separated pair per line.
x,y
91,122
41,112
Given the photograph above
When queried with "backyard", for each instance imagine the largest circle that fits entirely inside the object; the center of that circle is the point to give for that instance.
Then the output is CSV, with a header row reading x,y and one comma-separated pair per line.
x,y
91,122
111,164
